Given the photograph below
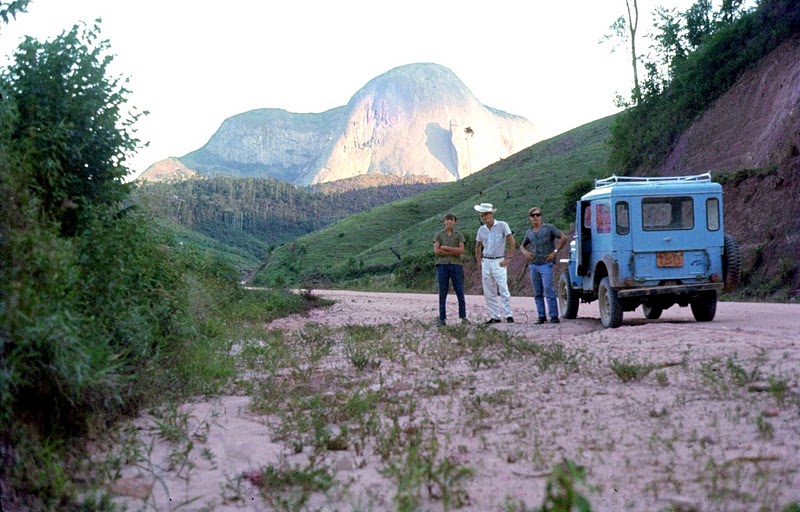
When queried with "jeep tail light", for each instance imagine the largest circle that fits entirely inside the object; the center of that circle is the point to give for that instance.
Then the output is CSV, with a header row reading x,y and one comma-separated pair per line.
x,y
714,278
628,281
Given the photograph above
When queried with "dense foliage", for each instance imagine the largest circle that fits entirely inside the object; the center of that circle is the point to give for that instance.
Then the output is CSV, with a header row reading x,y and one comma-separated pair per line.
x,y
70,130
101,312
256,214
699,56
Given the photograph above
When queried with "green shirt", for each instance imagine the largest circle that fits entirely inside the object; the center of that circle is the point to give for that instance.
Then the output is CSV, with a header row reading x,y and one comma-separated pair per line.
x,y
452,240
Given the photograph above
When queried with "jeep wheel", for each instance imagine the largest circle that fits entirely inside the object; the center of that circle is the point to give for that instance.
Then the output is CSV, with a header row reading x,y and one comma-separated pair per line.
x,y
652,312
704,307
610,308
731,264
567,297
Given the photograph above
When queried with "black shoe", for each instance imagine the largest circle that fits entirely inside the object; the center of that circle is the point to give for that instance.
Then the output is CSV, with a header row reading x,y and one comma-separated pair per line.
x,y
510,319
541,320
555,320
492,321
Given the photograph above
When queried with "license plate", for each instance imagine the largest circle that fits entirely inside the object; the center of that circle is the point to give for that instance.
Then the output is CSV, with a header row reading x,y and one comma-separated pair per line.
x,y
669,259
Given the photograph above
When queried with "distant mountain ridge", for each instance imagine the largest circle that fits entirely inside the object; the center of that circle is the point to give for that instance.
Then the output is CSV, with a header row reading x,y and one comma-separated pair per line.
x,y
414,120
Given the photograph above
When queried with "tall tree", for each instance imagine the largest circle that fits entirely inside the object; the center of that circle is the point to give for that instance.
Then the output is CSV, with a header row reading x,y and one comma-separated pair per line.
x,y
698,22
633,26
623,31
71,121
10,10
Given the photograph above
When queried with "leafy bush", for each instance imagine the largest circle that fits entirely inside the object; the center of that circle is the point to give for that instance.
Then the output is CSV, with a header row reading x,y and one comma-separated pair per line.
x,y
572,194
643,135
416,272
71,130
101,311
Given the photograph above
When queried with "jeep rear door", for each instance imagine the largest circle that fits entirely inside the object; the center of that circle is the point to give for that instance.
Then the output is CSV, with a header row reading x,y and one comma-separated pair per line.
x,y
671,241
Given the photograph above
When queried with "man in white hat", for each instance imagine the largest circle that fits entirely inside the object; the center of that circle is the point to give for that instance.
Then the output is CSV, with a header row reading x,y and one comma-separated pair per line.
x,y
492,258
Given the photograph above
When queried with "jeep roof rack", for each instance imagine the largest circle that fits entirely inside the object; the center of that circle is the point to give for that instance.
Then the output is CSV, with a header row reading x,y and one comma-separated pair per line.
x,y
636,180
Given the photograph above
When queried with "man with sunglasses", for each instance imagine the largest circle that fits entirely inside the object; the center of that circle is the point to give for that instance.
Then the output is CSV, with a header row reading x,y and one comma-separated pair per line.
x,y
540,246
492,258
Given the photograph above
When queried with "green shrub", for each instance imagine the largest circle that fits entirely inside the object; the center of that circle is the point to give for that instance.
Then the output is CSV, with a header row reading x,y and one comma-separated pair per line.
x,y
416,272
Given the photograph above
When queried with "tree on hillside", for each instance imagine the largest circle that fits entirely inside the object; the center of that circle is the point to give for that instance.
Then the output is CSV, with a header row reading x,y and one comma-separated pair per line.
x,y
70,121
624,32
10,10
698,22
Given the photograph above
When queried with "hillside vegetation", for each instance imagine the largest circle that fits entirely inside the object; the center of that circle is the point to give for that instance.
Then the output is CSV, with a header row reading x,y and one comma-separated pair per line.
x,y
702,63
378,240
252,215
102,312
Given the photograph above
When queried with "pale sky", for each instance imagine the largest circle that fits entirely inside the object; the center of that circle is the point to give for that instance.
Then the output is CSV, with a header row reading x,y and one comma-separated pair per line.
x,y
192,64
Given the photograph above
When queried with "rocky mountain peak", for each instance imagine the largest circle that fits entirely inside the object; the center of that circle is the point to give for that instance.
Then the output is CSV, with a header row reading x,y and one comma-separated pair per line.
x,y
413,120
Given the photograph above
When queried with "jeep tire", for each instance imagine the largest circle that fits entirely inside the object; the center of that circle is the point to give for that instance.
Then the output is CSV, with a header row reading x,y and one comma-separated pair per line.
x,y
652,312
567,297
608,302
731,264
704,306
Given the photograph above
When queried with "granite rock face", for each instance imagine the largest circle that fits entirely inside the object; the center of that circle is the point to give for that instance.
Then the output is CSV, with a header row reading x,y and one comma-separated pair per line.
x,y
414,120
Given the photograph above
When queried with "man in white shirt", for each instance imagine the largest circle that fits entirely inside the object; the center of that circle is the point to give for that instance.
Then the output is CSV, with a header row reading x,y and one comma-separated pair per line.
x,y
492,258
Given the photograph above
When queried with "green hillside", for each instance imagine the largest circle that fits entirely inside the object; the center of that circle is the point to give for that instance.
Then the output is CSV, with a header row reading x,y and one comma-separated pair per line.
x,y
247,216
374,241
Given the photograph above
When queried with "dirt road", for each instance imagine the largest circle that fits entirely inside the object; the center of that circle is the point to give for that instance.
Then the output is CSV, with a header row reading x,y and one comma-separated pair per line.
x,y
669,414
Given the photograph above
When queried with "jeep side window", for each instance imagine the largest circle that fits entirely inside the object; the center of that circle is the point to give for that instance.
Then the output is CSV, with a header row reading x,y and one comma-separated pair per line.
x,y
665,213
712,214
623,220
602,218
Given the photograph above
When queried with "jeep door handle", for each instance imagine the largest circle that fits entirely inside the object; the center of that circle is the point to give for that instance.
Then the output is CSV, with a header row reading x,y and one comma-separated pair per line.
x,y
668,239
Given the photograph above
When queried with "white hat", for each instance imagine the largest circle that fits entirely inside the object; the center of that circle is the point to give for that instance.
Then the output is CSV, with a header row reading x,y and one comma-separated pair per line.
x,y
485,208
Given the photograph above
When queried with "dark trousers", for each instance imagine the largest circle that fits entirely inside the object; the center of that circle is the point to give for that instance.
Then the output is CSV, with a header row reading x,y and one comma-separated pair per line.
x,y
444,275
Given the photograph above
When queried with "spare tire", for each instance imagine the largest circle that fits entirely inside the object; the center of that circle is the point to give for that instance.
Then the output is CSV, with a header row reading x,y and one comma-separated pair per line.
x,y
731,264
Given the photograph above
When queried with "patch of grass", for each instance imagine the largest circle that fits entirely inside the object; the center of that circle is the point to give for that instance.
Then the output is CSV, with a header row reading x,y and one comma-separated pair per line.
x,y
630,371
290,488
765,429
419,472
565,489
778,388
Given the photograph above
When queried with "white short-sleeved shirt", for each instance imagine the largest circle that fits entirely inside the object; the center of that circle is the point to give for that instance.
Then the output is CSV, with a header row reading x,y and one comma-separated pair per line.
x,y
493,240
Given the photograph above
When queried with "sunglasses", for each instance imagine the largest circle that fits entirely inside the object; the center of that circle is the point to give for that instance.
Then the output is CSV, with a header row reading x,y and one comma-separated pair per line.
x,y
536,215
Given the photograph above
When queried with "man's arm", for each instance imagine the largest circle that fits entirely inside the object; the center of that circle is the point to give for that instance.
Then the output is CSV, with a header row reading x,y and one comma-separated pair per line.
x,y
512,246
524,249
452,251
478,251
558,244
563,240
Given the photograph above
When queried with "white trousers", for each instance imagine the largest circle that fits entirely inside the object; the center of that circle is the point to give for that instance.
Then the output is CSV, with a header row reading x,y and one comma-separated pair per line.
x,y
495,277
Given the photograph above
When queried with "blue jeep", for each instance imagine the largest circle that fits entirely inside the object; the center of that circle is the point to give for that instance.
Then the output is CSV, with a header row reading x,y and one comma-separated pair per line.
x,y
654,242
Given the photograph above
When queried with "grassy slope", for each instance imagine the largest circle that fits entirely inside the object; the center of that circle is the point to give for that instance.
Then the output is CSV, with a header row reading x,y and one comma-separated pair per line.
x,y
534,176
233,256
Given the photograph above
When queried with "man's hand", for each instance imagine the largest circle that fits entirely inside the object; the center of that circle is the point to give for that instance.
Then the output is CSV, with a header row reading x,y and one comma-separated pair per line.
x,y
505,262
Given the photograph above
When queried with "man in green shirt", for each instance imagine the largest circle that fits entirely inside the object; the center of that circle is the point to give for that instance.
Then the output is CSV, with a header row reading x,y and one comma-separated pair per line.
x,y
448,246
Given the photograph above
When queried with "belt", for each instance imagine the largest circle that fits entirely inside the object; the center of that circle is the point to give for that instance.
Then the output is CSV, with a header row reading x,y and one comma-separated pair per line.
x,y
493,257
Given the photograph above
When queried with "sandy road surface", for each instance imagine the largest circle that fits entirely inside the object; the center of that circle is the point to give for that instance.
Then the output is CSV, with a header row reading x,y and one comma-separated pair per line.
x,y
711,422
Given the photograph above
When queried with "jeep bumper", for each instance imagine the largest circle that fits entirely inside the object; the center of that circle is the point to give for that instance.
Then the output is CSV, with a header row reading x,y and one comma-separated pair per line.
x,y
679,289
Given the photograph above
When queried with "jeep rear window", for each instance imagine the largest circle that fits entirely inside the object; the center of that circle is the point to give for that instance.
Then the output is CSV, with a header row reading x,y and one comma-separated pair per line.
x,y
602,217
623,221
667,213
712,214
